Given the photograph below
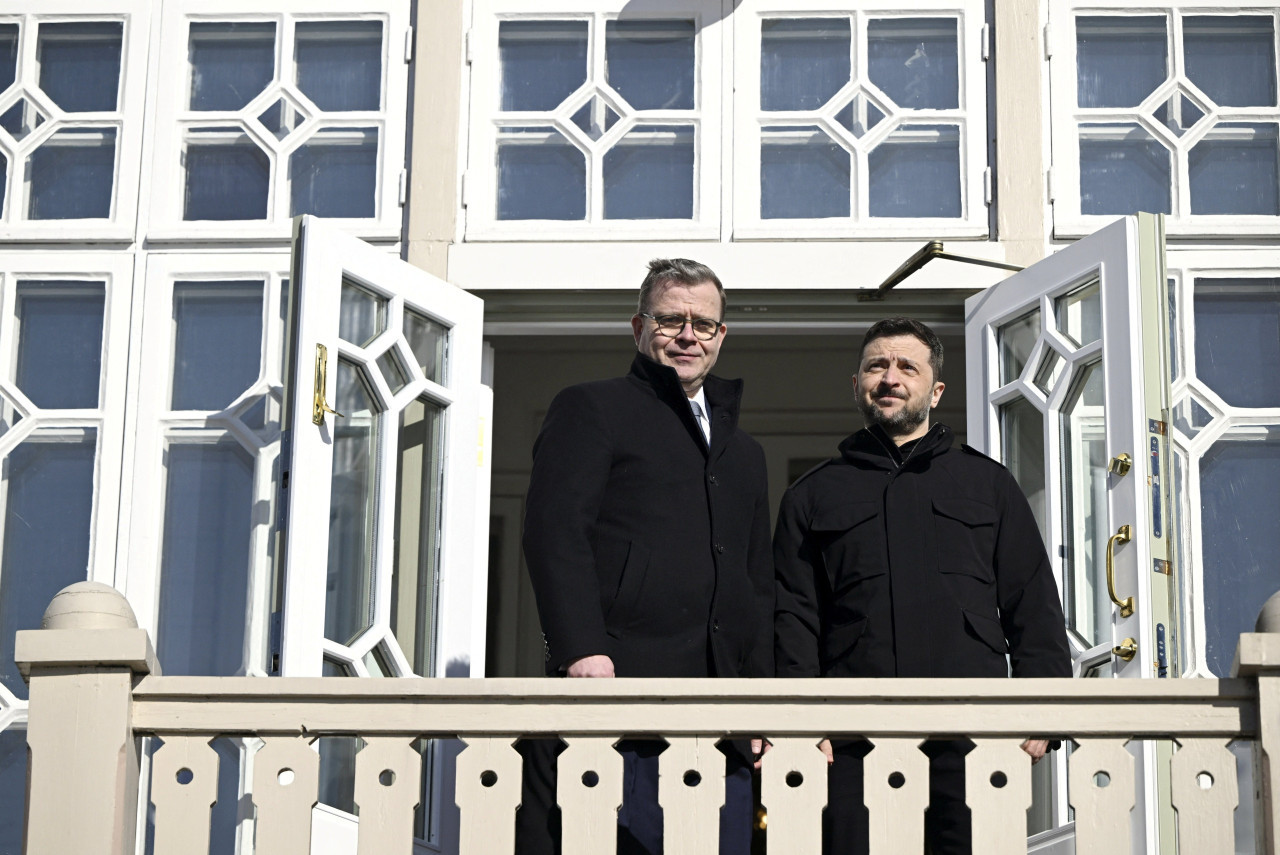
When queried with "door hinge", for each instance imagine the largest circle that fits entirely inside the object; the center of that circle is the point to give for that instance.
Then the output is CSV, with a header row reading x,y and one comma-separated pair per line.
x,y
404,187
466,189
1048,184
466,47
986,42
987,190
1048,51
408,45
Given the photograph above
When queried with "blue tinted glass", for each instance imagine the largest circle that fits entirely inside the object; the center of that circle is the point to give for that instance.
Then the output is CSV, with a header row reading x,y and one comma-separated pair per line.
x,y
72,175
1232,58
204,572
1239,494
47,514
1120,59
80,64
915,61
230,63
8,55
648,175
217,342
13,788
340,63
59,359
1123,170
541,176
1237,336
543,62
651,63
226,181
1233,171
803,173
916,173
335,174
803,62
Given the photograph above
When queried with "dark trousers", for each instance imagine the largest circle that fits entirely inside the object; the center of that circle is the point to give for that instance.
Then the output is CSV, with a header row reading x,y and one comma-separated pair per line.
x,y
640,818
846,821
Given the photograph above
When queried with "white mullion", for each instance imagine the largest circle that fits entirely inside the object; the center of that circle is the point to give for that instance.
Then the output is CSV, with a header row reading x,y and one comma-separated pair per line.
x,y
286,77
1180,195
596,75
255,647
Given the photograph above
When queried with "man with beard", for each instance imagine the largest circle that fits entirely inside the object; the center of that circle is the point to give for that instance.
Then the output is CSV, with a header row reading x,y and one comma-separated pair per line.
x,y
906,557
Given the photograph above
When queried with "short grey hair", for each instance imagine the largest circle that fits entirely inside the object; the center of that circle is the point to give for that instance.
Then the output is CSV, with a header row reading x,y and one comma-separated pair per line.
x,y
680,271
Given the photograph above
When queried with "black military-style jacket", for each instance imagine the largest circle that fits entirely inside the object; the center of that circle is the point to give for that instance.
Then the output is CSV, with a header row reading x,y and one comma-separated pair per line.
x,y
923,563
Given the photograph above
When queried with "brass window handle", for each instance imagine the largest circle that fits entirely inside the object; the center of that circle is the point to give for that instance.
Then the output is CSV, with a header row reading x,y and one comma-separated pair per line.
x,y
318,405
1122,535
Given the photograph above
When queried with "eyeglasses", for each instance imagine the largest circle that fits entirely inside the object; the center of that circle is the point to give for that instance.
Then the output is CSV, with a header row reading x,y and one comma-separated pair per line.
x,y
704,329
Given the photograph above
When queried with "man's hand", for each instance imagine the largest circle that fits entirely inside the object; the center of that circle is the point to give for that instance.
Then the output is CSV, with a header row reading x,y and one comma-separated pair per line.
x,y
598,665
825,745
1036,748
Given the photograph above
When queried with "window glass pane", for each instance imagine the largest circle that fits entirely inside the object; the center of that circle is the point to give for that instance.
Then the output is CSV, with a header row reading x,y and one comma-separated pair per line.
x,y
915,172
335,174
21,119
13,788
1084,507
1014,340
217,342
340,63
413,588
348,606
1233,171
541,176
392,370
362,315
8,55
338,771
595,118
1237,335
227,177
859,115
1232,58
803,173
71,175
651,63
80,64
1022,451
59,357
1120,60
1051,367
231,62
648,174
915,61
1123,170
1239,494
1079,314
543,62
429,341
48,510
204,569
803,62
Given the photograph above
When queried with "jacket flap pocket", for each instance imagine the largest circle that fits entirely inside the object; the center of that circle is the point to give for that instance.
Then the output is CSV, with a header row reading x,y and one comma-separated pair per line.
x,y
988,630
967,511
842,517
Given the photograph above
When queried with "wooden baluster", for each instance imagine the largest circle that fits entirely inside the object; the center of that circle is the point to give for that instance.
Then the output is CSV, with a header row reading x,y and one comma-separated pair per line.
x,y
589,792
487,794
388,788
997,788
184,788
691,793
286,783
1101,789
895,783
1203,780
793,788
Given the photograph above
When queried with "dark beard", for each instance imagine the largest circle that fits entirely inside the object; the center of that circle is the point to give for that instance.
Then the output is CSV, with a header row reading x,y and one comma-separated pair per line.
x,y
900,423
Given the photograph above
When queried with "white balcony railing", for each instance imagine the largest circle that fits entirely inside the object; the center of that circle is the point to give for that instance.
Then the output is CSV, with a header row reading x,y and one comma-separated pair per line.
x,y
95,688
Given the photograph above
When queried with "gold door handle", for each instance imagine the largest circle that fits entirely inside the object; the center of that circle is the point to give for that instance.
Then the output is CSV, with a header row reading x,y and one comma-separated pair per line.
x,y
1121,536
1126,650
318,405
1121,464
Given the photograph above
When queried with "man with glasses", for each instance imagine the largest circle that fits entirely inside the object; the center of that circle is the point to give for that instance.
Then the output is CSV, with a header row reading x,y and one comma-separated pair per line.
x,y
647,540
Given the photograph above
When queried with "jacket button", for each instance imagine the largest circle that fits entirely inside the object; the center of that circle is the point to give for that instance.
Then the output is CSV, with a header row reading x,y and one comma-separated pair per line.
x,y
715,626
712,479
719,548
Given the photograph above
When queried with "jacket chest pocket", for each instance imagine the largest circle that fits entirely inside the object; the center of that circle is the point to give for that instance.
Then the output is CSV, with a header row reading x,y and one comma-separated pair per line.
x,y
851,539
966,537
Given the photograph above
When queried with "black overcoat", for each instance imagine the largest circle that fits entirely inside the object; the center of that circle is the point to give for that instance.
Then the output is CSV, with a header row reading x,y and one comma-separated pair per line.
x,y
644,544
929,566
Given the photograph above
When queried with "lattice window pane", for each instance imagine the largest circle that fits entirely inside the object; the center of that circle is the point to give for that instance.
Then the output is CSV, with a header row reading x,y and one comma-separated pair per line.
x,y
1123,169
542,62
651,63
1233,170
339,64
1119,60
648,175
217,342
72,175
915,172
231,62
228,177
803,61
541,175
1237,325
915,61
334,174
1232,58
58,363
803,173
80,64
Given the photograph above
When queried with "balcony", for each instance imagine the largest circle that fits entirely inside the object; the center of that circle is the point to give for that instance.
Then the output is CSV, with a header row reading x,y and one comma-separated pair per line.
x,y
95,687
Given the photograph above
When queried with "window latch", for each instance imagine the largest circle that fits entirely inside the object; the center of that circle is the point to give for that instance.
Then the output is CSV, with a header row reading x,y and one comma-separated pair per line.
x,y
318,406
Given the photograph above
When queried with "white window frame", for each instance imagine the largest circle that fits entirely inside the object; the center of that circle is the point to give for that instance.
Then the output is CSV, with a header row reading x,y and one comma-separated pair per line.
x,y
1065,117
172,118
127,119
970,115
152,424
480,183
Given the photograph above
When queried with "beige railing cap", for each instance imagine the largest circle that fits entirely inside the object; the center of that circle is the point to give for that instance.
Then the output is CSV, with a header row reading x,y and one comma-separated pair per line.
x,y
87,625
